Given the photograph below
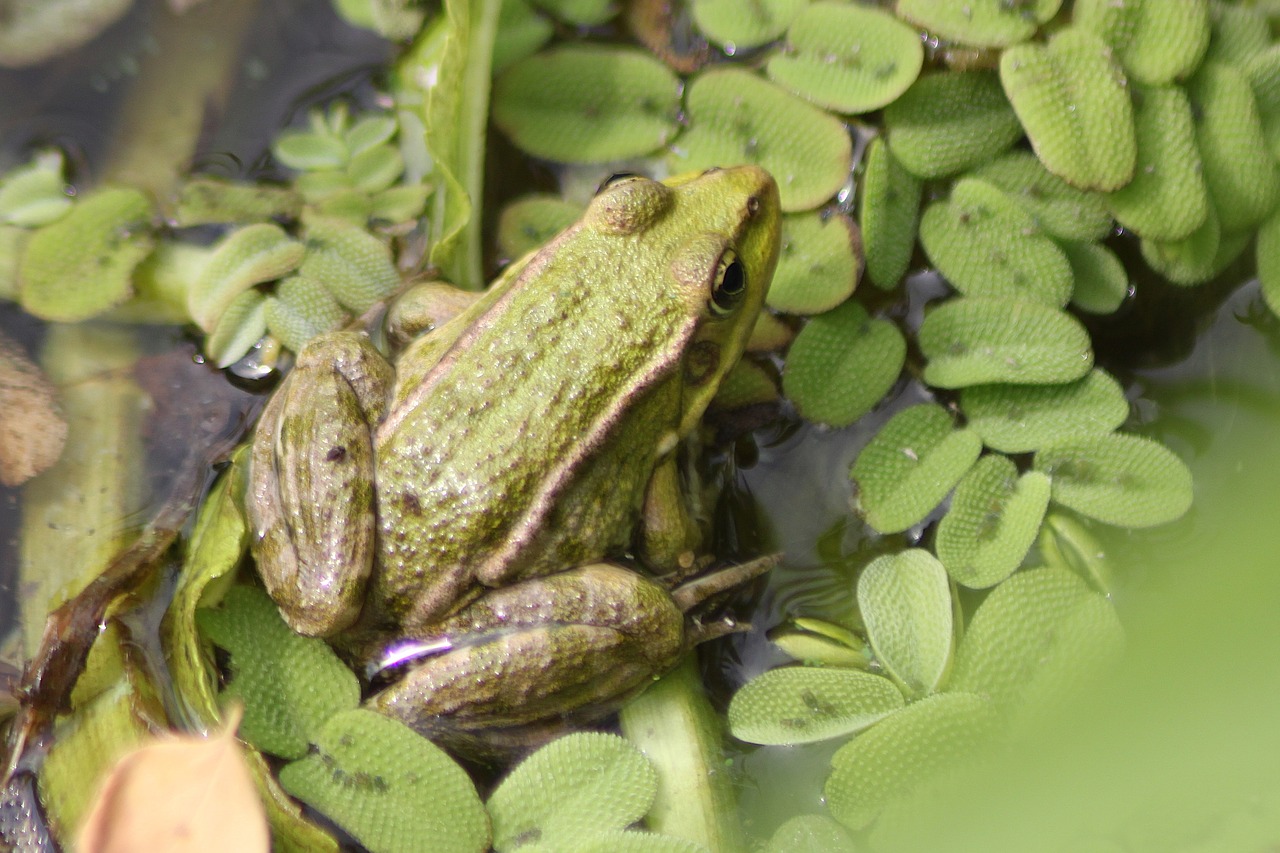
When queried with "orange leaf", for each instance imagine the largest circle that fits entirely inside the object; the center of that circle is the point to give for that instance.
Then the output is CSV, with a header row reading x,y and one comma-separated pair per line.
x,y
179,793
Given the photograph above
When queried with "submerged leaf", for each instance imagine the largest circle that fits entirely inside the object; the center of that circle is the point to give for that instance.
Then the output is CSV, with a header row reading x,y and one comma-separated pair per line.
x,y
842,363
906,750
817,263
946,123
1071,97
992,523
736,117
848,58
972,340
802,704
587,104
530,221
1018,418
389,787
579,784
987,245
905,601
1126,480
888,215
908,468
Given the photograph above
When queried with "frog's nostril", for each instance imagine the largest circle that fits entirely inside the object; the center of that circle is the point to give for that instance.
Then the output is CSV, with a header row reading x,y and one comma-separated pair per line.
x,y
753,205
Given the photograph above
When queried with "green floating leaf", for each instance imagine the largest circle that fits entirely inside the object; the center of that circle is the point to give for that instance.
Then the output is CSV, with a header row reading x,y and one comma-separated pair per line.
x,y
375,169
521,32
888,216
736,117
204,201
817,263
530,221
1190,260
301,309
972,340
905,601
241,325
351,263
389,787
841,364
1242,177
582,13
889,761
1060,209
803,704
947,123
1101,283
82,264
1126,480
1071,97
818,643
290,685
1157,41
769,334
247,256
1239,33
305,150
1036,637
1066,543
369,132
848,58
35,194
742,25
1263,71
811,833
581,783
1268,261
1022,418
981,23
908,468
992,523
746,384
618,841
986,244
1167,198
588,104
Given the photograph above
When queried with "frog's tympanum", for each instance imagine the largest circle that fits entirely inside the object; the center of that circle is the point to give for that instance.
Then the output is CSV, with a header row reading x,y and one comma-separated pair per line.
x,y
464,501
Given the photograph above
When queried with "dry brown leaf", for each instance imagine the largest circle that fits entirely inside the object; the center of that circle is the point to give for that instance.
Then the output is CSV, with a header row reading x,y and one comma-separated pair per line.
x,y
179,793
32,431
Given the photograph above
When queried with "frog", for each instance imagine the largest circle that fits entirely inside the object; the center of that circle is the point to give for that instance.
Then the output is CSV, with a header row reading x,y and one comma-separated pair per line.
x,y
488,517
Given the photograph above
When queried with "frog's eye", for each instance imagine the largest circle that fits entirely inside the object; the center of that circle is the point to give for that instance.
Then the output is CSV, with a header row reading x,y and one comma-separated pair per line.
x,y
617,178
729,285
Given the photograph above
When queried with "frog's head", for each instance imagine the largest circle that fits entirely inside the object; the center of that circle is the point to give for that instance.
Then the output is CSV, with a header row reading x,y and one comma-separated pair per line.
x,y
721,258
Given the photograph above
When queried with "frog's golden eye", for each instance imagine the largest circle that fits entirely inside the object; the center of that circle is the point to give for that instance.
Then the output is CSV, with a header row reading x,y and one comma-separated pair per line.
x,y
730,283
618,178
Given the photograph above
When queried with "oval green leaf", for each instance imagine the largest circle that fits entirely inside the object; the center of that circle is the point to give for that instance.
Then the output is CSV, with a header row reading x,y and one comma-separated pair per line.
x,y
1157,41
888,215
1037,636
240,327
908,468
972,341
737,25
1191,259
905,601
986,244
946,123
580,783
1126,480
1239,33
1100,282
521,32
247,256
841,364
848,58
981,23
1263,72
1022,418
530,221
1071,97
389,787
736,117
82,264
817,263
889,761
353,265
802,704
1167,198
992,522
35,194
1268,261
811,833
1061,210
588,104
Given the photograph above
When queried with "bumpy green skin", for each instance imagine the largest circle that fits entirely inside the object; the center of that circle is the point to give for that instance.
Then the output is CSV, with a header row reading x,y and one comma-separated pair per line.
x,y
522,437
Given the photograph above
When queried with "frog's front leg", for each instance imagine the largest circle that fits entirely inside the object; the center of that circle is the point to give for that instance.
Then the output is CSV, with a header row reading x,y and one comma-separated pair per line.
x,y
311,492
669,531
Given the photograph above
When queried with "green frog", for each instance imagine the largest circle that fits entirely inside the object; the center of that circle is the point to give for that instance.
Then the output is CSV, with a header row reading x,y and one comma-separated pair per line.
x,y
457,511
